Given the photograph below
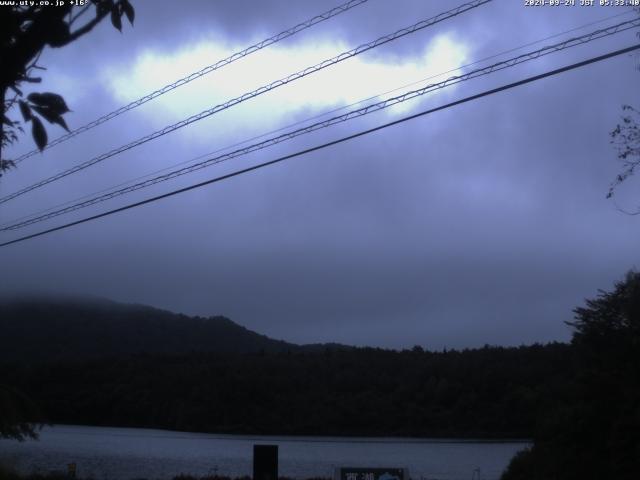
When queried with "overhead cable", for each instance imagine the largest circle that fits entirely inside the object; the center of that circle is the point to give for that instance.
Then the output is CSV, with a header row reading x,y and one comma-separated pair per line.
x,y
374,107
328,144
266,88
193,76
309,119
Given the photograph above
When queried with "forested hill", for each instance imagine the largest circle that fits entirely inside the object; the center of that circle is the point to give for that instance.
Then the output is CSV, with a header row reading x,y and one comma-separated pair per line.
x,y
45,329
103,363
489,392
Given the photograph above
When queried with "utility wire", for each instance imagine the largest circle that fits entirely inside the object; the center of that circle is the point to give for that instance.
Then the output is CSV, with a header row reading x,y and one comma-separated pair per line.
x,y
206,70
328,144
597,34
266,88
308,119
314,117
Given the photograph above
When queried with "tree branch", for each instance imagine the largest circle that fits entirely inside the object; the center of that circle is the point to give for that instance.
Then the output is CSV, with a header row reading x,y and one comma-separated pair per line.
x,y
79,14
86,28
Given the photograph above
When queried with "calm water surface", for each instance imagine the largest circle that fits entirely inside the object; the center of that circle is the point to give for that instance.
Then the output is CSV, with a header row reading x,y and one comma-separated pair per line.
x,y
127,453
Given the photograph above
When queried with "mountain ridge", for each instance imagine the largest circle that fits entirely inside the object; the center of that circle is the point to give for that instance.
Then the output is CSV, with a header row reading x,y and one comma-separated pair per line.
x,y
43,328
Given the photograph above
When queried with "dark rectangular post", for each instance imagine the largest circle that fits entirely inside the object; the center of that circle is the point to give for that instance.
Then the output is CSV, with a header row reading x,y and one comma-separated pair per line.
x,y
265,462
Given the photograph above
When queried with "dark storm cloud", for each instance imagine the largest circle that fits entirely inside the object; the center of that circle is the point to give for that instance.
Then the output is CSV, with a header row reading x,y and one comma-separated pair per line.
x,y
485,223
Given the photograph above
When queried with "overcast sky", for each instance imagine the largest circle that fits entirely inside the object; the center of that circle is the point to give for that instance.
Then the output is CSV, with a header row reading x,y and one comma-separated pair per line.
x,y
483,223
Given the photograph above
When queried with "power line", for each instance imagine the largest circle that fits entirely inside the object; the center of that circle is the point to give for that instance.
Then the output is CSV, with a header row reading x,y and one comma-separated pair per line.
x,y
308,119
314,117
206,70
569,43
328,144
266,88
348,116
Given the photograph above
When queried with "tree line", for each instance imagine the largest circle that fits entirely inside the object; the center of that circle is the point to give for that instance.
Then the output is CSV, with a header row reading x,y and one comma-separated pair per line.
x,y
490,392
579,402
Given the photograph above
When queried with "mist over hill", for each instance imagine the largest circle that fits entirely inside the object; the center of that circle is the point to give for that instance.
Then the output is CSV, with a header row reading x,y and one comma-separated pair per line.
x,y
98,362
71,328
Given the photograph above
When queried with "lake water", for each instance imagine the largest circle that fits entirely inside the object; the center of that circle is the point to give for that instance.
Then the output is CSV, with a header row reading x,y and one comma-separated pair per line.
x,y
127,453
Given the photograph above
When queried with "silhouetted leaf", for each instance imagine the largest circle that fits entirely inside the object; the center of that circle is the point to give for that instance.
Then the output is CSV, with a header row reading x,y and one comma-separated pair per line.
x,y
53,101
51,117
128,10
37,98
58,34
60,121
39,133
25,110
115,18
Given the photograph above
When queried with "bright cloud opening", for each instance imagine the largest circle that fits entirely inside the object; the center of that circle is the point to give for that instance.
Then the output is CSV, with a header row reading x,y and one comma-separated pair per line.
x,y
339,85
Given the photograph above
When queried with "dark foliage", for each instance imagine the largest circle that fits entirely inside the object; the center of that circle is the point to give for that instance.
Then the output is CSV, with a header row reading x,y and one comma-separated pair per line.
x,y
488,392
26,28
19,415
594,432
626,138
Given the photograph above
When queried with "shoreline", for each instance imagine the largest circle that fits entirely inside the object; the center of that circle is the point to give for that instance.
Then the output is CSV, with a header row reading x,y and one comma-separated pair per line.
x,y
307,438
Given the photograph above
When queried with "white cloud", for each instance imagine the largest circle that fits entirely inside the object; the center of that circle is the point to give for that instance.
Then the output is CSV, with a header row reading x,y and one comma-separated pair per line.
x,y
338,85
